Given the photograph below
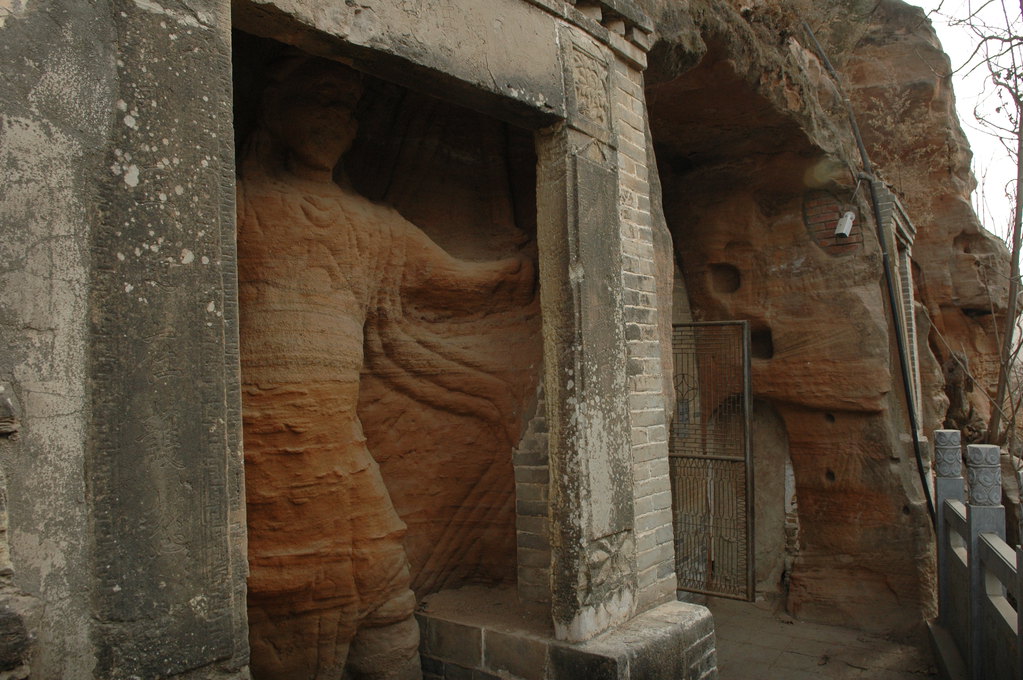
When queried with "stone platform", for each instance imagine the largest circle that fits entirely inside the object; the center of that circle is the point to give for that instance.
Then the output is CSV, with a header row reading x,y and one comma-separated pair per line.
x,y
487,634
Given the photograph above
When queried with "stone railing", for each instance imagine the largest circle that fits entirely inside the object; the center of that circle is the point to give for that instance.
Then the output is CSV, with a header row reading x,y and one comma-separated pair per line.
x,y
978,630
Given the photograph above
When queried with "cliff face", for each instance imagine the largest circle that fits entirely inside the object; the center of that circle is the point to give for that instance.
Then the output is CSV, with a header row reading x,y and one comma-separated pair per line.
x,y
899,87
757,160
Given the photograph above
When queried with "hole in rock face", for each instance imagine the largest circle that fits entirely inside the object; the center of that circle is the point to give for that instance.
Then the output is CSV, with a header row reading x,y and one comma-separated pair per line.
x,y
965,242
725,278
829,417
975,312
905,509
761,343
830,475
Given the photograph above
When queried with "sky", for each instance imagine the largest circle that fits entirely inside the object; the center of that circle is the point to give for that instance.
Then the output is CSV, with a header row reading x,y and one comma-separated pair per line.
x,y
992,165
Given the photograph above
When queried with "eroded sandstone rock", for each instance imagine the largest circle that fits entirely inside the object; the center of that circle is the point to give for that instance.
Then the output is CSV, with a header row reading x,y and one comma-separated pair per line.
x,y
899,82
750,133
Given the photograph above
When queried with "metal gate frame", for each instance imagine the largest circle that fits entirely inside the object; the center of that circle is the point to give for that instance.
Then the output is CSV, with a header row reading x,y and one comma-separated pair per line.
x,y
713,461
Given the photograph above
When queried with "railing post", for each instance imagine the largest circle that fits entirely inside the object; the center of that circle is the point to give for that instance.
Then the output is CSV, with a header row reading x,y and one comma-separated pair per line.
x,y
984,514
948,456
1019,586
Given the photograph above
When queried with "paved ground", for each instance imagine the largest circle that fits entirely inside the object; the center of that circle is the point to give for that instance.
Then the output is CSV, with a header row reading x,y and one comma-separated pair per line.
x,y
754,644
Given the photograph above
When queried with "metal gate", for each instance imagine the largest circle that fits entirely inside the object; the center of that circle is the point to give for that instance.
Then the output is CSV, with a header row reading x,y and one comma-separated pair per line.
x,y
711,459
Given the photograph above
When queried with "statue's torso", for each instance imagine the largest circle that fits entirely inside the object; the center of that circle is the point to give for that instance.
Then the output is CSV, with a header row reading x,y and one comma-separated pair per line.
x,y
309,261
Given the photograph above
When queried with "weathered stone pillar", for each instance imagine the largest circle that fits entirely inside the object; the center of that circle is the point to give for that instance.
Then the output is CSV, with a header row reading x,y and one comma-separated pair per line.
x,y
948,486
984,514
164,468
593,578
122,464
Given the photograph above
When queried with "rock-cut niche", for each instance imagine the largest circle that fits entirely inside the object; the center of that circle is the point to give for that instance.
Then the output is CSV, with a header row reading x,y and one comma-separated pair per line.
x,y
389,327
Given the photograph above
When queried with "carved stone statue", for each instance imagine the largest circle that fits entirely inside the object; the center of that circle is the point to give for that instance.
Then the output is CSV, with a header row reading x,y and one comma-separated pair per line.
x,y
324,273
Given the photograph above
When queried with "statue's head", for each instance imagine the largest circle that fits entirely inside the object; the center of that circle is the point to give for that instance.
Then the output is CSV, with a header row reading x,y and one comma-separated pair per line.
x,y
308,107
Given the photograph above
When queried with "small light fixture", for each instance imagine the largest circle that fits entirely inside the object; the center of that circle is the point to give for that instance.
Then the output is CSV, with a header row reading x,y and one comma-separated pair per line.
x,y
845,224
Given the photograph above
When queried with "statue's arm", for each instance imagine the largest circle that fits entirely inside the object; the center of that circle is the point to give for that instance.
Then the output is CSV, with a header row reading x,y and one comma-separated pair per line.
x,y
434,276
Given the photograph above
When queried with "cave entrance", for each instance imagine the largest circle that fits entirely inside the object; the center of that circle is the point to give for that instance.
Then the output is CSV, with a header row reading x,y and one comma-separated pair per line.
x,y
711,459
734,170
390,344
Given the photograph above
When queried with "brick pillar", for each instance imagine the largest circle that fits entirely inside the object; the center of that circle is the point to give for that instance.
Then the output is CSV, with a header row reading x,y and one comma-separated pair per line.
x,y
655,539
532,491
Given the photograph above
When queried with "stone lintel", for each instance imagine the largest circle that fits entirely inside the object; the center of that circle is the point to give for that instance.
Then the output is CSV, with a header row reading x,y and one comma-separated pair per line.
x,y
507,50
